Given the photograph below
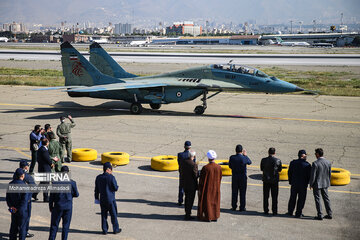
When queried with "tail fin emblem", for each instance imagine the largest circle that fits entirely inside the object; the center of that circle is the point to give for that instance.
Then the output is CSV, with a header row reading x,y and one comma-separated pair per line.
x,y
77,69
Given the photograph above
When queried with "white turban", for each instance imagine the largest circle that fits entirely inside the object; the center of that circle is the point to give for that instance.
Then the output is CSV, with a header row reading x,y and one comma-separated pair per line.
x,y
211,154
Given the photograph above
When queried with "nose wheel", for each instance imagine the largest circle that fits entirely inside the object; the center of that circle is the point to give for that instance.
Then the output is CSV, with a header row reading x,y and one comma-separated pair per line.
x,y
136,108
201,108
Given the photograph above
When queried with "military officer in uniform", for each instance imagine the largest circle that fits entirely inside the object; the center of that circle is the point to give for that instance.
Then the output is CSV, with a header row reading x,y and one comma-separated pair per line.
x,y
28,179
105,188
60,205
64,132
55,152
18,206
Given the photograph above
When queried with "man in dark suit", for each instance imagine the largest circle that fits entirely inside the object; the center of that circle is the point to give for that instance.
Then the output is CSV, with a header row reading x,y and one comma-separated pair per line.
x,y
271,166
105,188
238,163
299,176
188,181
44,163
60,205
181,157
18,206
319,182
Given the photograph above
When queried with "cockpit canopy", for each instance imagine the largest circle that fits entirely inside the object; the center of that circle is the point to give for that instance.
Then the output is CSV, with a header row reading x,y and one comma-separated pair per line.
x,y
240,69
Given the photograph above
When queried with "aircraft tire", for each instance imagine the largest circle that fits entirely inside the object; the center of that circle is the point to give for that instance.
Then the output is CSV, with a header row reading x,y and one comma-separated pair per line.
x,y
136,108
164,163
339,177
155,106
84,154
224,164
199,110
115,158
283,175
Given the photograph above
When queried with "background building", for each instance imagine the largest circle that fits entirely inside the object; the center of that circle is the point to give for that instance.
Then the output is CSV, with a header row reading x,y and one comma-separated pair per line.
x,y
121,28
181,28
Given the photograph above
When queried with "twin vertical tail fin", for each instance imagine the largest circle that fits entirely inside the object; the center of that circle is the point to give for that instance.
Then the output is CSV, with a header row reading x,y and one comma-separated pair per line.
x,y
105,63
78,71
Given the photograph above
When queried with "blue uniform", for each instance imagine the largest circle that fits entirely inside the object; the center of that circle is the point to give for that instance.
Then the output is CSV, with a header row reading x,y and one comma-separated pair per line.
x,y
60,205
105,188
299,176
29,180
182,156
238,163
19,201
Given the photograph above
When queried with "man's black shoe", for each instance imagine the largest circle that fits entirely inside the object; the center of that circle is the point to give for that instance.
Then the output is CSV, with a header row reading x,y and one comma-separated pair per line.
x,y
318,218
118,231
289,213
104,233
266,213
242,210
275,214
233,209
29,235
179,203
299,216
328,217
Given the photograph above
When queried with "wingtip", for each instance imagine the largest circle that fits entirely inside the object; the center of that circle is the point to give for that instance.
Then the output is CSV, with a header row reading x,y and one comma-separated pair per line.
x,y
95,45
66,45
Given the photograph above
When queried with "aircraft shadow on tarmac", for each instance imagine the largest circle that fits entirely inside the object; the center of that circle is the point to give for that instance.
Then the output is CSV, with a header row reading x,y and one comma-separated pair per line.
x,y
110,108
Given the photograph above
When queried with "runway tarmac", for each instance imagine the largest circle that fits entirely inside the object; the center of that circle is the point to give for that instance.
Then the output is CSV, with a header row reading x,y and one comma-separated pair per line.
x,y
200,58
147,199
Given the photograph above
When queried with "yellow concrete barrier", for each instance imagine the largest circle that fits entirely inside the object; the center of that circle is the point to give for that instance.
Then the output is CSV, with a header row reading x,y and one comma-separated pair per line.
x,y
283,175
224,164
115,158
339,177
84,154
164,163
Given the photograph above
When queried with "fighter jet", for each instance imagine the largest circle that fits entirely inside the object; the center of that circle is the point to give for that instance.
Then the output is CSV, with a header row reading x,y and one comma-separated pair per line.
x,y
104,78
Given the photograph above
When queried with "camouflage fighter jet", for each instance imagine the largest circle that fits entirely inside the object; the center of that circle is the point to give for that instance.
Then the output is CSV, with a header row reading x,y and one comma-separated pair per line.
x,y
104,78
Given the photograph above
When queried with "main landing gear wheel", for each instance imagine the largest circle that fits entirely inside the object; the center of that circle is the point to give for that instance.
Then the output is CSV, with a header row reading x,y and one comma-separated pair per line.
x,y
136,108
155,106
199,110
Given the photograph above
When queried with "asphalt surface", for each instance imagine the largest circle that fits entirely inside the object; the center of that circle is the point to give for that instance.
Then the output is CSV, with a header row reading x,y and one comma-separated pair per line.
x,y
201,58
147,199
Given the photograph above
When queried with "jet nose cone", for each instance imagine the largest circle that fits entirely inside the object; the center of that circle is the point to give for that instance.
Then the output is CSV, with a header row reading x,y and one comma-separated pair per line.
x,y
298,89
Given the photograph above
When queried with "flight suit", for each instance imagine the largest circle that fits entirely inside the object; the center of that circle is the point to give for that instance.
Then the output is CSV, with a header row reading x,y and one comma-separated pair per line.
x,y
60,205
55,150
19,219
105,188
64,132
237,163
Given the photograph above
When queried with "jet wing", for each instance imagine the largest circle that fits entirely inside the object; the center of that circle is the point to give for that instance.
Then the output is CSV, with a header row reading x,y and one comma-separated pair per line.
x,y
55,88
117,86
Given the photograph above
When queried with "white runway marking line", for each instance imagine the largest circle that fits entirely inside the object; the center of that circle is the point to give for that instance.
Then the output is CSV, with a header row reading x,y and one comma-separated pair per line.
x,y
159,176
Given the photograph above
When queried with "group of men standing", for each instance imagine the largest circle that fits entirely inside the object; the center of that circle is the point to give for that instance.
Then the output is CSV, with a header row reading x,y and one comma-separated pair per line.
x,y
19,203
55,148
300,175
208,186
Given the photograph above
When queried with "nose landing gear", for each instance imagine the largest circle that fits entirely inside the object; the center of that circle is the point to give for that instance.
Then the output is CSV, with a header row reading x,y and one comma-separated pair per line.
x,y
201,108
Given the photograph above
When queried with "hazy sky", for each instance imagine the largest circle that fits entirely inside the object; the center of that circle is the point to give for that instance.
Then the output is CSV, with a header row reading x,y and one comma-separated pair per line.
x,y
237,11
